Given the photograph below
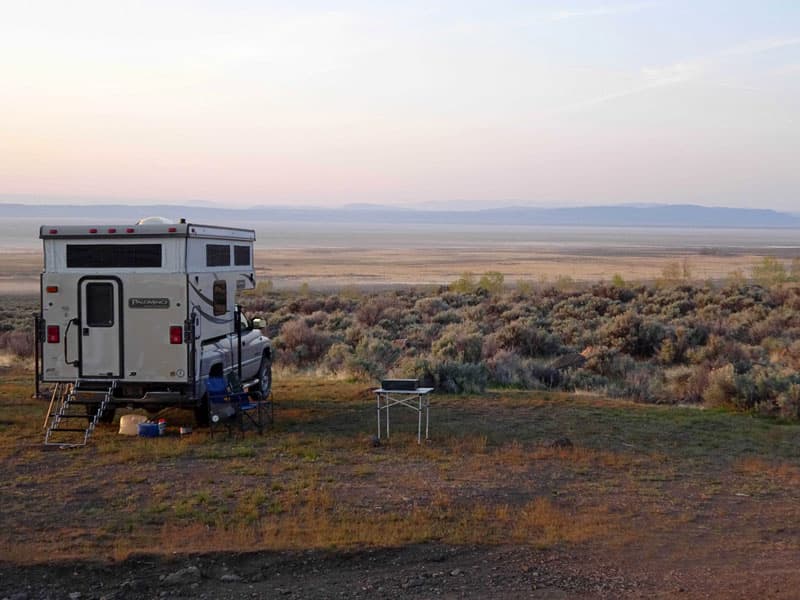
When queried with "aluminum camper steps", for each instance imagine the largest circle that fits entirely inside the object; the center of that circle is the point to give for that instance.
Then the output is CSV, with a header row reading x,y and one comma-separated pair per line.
x,y
69,429
86,400
83,416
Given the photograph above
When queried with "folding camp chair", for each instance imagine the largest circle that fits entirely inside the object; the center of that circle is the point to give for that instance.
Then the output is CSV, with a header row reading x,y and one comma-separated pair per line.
x,y
247,408
221,410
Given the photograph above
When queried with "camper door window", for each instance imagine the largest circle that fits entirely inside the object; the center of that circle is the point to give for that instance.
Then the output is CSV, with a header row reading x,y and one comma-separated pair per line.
x,y
99,305
220,297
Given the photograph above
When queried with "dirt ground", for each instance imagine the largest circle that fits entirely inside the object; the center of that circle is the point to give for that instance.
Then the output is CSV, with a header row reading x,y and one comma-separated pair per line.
x,y
421,571
643,502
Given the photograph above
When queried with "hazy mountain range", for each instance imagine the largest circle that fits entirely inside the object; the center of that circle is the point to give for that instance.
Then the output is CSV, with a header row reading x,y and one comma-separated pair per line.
x,y
671,215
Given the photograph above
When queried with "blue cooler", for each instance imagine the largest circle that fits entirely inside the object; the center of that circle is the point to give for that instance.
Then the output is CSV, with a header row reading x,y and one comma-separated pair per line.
x,y
148,430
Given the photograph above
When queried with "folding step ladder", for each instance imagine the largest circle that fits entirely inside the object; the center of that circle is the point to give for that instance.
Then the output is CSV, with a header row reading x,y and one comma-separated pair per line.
x,y
72,405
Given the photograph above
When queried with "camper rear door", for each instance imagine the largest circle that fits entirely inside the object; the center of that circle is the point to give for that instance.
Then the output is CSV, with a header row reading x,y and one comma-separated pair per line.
x,y
100,331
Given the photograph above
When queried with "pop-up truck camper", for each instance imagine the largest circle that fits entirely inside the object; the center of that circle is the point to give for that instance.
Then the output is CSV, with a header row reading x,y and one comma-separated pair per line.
x,y
138,315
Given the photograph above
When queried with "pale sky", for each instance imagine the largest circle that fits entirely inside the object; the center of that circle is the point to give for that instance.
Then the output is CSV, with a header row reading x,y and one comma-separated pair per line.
x,y
469,102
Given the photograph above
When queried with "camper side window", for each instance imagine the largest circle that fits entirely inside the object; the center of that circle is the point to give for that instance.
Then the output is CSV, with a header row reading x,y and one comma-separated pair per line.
x,y
241,255
113,256
218,255
220,297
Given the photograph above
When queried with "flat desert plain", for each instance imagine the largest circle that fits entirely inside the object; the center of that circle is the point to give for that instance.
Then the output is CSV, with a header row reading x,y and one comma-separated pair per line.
x,y
328,257
329,269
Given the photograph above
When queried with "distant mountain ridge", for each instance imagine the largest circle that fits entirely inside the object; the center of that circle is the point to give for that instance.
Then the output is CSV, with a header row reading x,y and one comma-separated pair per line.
x,y
671,215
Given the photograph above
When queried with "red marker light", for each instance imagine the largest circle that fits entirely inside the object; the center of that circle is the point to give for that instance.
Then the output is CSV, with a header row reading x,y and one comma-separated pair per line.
x,y
112,230
176,334
52,289
130,230
53,231
93,230
53,334
172,229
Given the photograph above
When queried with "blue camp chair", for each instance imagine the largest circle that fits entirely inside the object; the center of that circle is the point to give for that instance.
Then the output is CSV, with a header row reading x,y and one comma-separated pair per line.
x,y
247,408
220,410
230,405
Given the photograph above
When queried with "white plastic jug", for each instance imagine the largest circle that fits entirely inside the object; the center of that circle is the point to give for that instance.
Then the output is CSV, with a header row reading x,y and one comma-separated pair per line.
x,y
129,424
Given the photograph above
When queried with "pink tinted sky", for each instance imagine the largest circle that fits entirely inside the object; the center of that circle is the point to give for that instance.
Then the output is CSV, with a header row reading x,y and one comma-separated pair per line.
x,y
476,103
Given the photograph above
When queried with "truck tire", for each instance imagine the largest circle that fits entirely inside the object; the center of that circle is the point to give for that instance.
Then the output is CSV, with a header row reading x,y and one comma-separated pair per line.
x,y
264,385
201,412
107,416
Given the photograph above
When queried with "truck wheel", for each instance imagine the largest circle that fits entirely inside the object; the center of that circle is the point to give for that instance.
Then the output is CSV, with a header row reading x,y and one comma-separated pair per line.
x,y
107,416
264,386
201,413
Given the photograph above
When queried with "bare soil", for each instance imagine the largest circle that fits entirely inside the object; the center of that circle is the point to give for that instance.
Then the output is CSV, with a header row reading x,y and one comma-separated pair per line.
x,y
424,571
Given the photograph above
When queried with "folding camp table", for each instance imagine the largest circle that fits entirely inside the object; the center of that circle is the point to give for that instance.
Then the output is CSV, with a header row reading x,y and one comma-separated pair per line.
x,y
415,399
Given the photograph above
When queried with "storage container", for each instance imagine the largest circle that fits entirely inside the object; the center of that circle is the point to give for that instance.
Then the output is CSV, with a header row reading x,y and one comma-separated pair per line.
x,y
148,430
129,424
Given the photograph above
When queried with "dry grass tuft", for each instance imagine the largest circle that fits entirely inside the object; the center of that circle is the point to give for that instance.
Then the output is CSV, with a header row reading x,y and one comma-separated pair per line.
x,y
543,523
781,472
468,445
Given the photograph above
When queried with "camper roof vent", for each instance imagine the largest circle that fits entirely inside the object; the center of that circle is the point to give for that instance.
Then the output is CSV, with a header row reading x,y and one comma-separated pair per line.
x,y
155,221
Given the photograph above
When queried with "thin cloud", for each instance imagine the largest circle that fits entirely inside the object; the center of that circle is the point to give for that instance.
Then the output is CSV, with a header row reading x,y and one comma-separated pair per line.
x,y
601,11
685,71
653,78
786,70
674,73
759,46
612,96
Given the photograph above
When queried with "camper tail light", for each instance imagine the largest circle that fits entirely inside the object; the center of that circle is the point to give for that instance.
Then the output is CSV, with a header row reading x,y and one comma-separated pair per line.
x,y
175,334
53,334
52,289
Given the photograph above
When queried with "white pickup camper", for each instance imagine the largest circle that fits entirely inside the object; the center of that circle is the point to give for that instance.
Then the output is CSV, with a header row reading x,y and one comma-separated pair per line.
x,y
140,314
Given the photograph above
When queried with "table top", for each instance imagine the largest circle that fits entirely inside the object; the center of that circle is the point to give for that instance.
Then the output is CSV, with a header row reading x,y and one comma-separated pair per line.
x,y
415,392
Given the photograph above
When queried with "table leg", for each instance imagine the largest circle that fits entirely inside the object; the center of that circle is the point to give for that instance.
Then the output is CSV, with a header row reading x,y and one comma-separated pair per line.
x,y
419,419
387,416
427,416
378,396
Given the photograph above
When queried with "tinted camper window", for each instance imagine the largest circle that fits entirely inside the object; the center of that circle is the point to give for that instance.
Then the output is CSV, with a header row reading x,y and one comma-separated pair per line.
x,y
113,256
99,305
241,255
220,298
218,255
